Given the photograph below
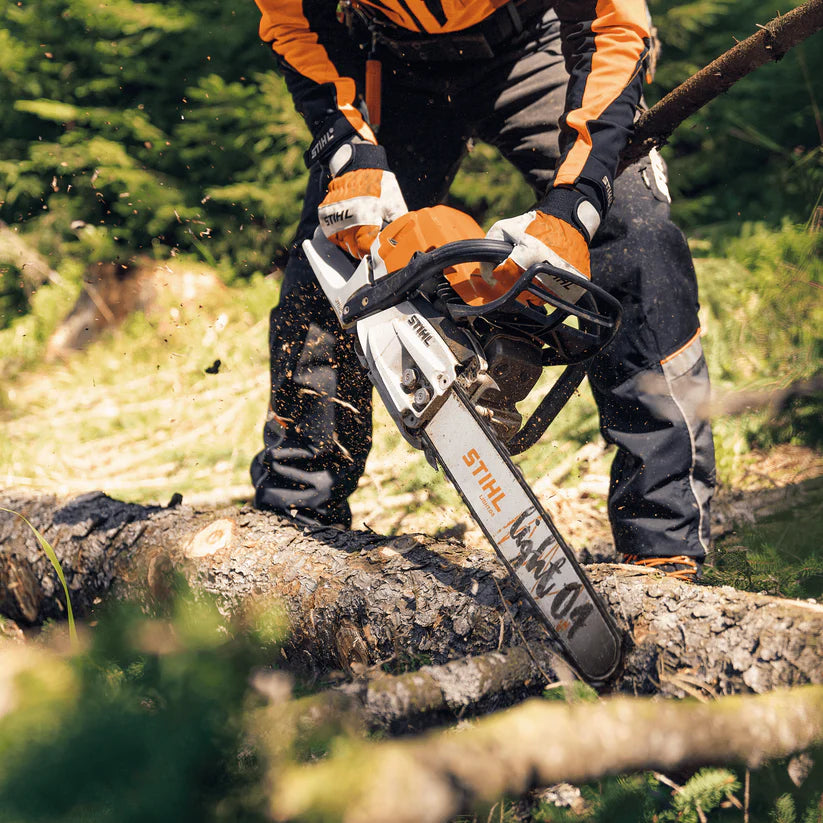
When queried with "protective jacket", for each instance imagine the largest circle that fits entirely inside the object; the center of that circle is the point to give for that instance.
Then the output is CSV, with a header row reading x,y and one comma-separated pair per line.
x,y
605,44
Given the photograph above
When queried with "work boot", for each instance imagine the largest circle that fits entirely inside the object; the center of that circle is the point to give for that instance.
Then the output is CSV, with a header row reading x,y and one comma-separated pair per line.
x,y
680,567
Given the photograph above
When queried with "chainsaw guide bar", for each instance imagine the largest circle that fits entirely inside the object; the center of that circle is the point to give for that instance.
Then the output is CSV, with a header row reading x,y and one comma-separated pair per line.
x,y
525,538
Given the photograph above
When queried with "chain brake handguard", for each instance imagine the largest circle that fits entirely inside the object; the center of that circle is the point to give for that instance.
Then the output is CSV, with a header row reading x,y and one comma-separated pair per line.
x,y
597,311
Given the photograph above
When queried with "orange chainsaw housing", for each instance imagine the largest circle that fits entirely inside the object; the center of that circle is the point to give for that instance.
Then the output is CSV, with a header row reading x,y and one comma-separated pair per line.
x,y
430,228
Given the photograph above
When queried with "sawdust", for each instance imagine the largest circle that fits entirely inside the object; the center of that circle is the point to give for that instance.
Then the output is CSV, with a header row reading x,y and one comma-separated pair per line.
x,y
579,509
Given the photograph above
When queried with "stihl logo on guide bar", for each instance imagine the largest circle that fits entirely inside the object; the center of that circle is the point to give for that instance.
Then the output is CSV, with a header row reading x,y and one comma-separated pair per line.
x,y
485,479
422,332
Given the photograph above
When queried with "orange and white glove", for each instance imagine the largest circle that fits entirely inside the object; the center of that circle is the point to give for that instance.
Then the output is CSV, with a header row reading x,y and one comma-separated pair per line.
x,y
540,237
362,196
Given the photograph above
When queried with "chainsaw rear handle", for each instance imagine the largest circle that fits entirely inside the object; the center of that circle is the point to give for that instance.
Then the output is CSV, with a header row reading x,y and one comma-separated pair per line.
x,y
598,312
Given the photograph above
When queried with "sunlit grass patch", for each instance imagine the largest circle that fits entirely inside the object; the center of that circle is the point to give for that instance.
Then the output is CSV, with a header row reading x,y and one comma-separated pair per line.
x,y
137,415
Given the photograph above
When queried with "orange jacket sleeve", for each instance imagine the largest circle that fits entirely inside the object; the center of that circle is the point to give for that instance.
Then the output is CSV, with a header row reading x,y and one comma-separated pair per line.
x,y
323,94
605,44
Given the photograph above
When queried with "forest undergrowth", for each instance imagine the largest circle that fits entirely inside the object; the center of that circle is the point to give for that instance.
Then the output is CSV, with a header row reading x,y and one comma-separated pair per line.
x,y
173,400
147,411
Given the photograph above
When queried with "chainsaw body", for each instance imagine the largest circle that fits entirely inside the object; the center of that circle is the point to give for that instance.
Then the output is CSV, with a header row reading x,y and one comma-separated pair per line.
x,y
451,353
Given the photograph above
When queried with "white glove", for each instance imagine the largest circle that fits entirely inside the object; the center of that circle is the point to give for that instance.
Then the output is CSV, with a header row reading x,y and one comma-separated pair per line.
x,y
362,196
539,237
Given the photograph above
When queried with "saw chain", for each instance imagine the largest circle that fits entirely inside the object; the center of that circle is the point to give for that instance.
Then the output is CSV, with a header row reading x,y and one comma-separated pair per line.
x,y
450,373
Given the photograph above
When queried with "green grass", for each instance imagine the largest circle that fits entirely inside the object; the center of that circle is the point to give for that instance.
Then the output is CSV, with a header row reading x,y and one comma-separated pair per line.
x,y
136,414
762,295
781,554
762,317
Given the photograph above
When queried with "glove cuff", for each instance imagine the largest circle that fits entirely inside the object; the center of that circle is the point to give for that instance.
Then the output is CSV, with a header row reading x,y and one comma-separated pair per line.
x,y
333,133
575,206
353,156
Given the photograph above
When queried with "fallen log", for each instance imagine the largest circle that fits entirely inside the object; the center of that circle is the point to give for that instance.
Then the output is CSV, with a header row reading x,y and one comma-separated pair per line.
x,y
358,598
437,776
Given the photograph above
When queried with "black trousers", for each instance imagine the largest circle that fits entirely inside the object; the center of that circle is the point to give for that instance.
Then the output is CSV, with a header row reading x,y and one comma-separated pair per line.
x,y
651,385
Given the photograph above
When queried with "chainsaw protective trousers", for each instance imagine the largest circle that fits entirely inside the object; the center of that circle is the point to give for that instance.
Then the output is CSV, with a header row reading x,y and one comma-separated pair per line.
x,y
651,385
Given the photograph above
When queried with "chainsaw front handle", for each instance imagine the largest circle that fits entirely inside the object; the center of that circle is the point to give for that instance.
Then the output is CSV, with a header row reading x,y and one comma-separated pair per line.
x,y
394,287
597,312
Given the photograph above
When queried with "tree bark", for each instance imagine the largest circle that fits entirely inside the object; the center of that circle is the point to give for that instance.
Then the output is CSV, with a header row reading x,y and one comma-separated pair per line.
x,y
771,42
357,598
34,268
415,700
435,777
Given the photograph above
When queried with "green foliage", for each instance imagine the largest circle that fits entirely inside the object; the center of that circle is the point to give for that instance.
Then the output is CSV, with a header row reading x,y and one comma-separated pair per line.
x,y
488,187
814,810
755,152
781,555
785,811
762,312
23,340
646,798
575,692
775,280
625,799
13,298
704,792
143,126
148,723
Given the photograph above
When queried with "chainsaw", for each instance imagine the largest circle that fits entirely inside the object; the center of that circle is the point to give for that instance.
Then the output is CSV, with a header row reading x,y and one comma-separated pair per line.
x,y
450,352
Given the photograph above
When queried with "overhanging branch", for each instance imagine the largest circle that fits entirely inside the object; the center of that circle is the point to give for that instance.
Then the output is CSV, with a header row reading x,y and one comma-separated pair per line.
x,y
768,44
